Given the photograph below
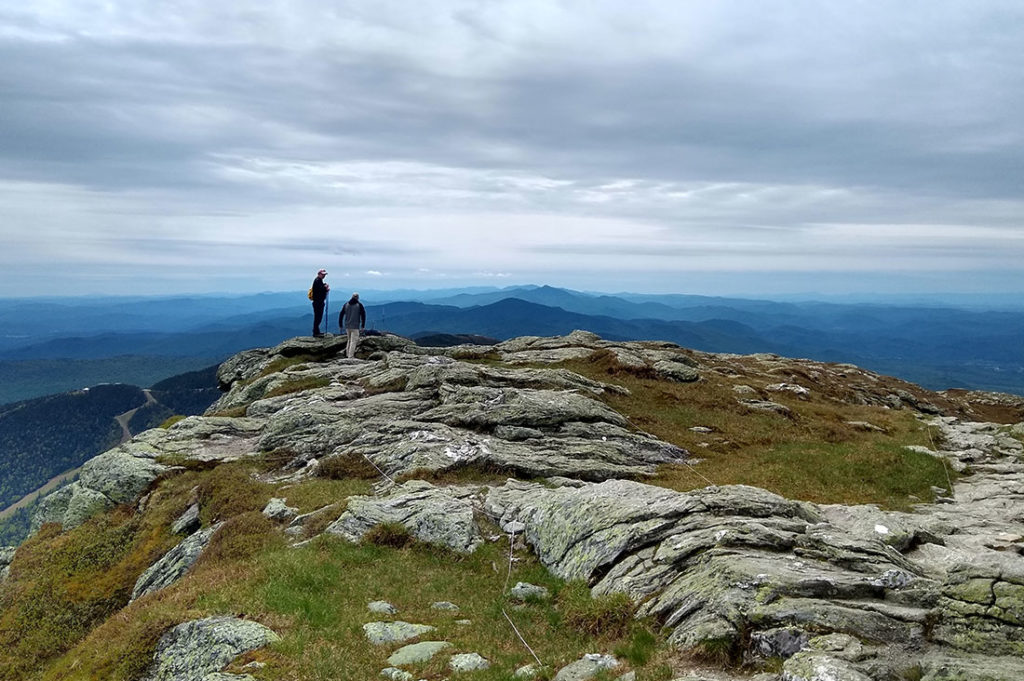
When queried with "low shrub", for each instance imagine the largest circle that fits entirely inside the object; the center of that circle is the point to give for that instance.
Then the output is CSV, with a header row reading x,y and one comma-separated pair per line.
x,y
229,490
392,535
347,466
608,616
298,385
242,537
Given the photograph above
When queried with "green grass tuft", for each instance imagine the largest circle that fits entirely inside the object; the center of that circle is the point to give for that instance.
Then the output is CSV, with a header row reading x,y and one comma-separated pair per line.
x,y
393,535
172,420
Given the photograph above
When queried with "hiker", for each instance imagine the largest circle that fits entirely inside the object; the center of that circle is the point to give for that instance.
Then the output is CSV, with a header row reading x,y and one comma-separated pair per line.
x,y
318,294
351,320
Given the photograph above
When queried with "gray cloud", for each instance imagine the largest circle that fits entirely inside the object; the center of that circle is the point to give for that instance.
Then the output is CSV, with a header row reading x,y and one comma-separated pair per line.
x,y
420,138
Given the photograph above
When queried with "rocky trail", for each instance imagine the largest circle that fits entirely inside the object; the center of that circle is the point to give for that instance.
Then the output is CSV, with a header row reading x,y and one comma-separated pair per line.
x,y
783,589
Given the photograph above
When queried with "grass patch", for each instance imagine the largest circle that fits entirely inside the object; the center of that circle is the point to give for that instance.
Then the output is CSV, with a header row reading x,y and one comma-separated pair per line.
x,y
230,490
315,493
231,412
172,420
814,455
282,363
475,473
62,585
297,385
345,466
609,616
315,597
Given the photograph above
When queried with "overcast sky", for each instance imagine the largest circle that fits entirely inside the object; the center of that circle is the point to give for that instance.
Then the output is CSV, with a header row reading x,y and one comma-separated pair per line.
x,y
665,146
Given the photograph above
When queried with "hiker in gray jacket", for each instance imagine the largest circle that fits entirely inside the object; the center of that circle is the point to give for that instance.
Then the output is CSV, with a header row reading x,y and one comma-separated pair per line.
x,y
351,320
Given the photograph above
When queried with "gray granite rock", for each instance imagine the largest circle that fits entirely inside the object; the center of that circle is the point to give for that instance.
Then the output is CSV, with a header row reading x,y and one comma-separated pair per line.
x,y
187,522
417,652
586,667
278,509
381,607
431,514
6,557
173,565
395,674
193,650
381,633
524,591
468,662
820,666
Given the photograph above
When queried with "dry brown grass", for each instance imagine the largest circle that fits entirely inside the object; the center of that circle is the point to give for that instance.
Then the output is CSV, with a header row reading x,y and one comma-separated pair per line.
x,y
812,454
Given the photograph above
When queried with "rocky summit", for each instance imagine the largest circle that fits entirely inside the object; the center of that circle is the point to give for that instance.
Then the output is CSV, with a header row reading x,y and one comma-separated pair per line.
x,y
467,445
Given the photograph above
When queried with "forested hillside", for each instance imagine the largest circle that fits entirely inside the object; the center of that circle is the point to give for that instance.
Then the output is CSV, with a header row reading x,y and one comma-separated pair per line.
x,y
44,437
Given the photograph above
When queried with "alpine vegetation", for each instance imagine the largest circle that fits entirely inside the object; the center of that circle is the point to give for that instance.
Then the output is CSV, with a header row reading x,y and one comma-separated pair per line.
x,y
547,507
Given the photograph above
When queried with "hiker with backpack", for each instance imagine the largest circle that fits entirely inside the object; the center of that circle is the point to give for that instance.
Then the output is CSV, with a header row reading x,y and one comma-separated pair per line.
x,y
351,320
318,294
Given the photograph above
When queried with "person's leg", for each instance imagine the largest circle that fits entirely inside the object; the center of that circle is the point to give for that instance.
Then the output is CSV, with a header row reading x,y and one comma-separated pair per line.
x,y
318,316
353,341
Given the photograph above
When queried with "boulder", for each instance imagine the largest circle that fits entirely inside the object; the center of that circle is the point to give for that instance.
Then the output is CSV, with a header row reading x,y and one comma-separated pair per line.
x,y
432,515
70,506
381,633
188,522
173,565
523,591
193,650
587,667
416,653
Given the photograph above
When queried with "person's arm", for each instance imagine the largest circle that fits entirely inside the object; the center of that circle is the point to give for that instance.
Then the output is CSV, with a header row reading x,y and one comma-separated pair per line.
x,y
362,316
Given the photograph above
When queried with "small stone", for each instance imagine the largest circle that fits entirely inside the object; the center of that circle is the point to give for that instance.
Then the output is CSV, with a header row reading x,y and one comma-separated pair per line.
x,y
417,652
523,591
188,522
766,405
468,662
527,671
464,623
396,674
515,527
379,633
381,607
788,387
864,425
444,605
702,429
586,667
276,509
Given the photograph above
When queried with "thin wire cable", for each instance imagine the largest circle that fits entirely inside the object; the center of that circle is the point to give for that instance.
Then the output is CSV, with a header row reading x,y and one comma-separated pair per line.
x,y
945,467
539,663
686,463
389,478
508,575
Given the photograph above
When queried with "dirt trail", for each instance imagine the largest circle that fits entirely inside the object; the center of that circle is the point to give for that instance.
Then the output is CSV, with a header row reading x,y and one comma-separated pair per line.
x,y
124,418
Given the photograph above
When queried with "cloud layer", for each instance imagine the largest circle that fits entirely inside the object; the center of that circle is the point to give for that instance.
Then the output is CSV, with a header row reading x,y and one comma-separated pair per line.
x,y
192,145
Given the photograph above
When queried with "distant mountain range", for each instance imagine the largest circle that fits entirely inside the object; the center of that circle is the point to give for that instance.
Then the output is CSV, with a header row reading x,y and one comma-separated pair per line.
x,y
939,347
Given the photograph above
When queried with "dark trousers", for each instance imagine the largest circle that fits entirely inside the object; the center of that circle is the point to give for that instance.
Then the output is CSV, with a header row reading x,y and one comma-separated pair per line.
x,y
318,316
